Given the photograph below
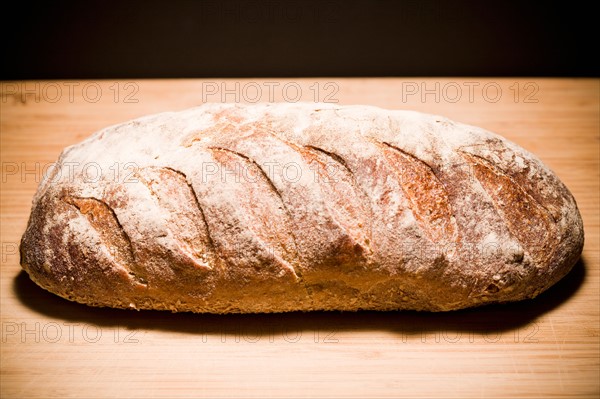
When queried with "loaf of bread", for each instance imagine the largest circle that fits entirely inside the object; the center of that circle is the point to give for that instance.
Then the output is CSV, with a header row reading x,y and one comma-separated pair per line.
x,y
228,208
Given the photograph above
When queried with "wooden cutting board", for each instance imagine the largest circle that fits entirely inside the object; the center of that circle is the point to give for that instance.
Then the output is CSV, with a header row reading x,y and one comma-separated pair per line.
x,y
547,347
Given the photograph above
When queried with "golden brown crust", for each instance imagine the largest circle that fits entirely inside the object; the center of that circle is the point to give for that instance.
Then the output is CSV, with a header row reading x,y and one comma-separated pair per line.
x,y
281,207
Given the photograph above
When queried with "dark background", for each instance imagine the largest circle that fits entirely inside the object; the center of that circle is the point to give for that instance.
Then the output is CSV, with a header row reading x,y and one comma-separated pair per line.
x,y
156,39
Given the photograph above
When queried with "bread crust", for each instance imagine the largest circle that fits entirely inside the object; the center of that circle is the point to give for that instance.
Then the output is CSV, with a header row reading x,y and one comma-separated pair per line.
x,y
229,208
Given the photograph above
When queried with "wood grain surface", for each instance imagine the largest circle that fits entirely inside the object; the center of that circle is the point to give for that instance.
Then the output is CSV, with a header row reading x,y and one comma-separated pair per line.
x,y
547,347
